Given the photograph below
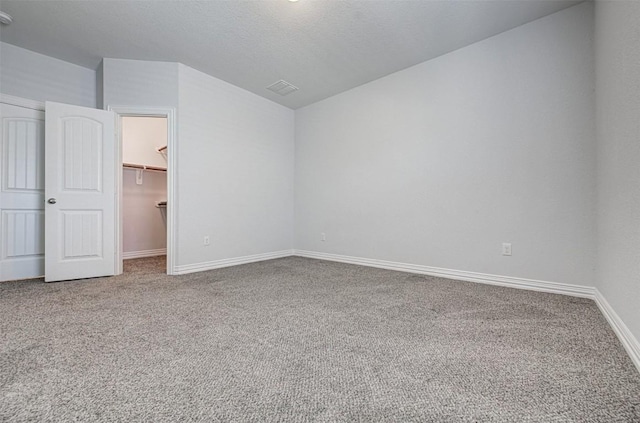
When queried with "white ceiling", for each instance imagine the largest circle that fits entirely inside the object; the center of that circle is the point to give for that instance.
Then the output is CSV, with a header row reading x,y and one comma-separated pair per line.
x,y
322,46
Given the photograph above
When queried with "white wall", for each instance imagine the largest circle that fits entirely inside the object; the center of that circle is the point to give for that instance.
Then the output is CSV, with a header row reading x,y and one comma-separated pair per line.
x,y
236,171
144,224
618,122
439,164
26,74
235,159
139,83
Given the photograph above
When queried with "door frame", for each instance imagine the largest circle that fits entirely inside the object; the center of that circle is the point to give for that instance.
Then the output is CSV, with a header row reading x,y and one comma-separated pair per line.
x,y
172,209
22,102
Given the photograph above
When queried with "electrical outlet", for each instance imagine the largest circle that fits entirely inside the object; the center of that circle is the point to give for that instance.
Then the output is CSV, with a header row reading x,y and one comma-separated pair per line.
x,y
323,237
506,248
207,241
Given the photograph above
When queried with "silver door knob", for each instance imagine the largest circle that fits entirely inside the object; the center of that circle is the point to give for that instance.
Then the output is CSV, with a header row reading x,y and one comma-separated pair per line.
x,y
51,201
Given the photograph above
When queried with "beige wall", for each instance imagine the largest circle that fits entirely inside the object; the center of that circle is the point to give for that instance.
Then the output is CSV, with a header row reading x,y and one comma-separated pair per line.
x,y
141,137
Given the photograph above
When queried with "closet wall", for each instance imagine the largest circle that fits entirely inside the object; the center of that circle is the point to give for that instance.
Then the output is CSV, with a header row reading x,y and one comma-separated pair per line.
x,y
144,224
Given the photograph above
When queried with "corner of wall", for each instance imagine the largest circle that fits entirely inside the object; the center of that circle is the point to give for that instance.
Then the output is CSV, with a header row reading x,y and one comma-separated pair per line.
x,y
616,57
100,86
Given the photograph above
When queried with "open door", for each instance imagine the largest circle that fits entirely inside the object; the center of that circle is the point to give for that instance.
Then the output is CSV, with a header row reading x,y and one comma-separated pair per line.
x,y
80,189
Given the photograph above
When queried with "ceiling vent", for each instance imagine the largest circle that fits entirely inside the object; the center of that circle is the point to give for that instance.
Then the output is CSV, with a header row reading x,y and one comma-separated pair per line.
x,y
282,87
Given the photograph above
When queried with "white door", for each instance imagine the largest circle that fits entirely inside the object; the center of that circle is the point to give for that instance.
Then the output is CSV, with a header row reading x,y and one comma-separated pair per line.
x,y
80,190
21,192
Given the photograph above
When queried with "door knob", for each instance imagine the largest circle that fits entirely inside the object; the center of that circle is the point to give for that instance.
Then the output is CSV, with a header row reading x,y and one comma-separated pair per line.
x,y
51,201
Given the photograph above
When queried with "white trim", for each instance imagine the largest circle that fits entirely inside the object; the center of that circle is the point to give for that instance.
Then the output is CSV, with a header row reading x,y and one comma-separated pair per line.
x,y
127,255
210,265
508,281
22,102
172,179
629,342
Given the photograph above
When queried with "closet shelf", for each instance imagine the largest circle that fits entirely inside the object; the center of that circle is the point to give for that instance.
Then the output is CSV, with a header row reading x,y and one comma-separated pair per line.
x,y
144,167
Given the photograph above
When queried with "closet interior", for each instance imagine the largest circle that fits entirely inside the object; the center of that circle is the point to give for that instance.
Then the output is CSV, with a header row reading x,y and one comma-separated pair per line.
x,y
144,186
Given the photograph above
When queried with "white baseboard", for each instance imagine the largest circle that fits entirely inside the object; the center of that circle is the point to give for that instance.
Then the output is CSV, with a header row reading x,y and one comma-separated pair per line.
x,y
144,253
507,281
216,264
629,342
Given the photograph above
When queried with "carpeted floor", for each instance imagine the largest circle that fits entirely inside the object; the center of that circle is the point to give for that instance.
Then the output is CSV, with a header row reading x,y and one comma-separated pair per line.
x,y
304,340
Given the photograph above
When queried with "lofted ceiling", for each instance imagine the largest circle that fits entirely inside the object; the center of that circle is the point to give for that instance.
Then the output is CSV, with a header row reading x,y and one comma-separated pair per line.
x,y
323,47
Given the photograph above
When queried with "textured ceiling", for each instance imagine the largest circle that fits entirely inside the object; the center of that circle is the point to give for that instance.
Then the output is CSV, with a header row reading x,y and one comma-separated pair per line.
x,y
322,46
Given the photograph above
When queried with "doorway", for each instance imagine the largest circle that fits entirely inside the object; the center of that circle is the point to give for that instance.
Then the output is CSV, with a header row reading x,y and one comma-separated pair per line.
x,y
144,187
144,201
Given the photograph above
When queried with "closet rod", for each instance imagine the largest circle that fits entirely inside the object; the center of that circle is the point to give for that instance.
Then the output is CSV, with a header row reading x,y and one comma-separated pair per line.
x,y
143,167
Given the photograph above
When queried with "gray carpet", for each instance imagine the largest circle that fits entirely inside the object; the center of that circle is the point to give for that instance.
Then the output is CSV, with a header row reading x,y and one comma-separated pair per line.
x,y
304,340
